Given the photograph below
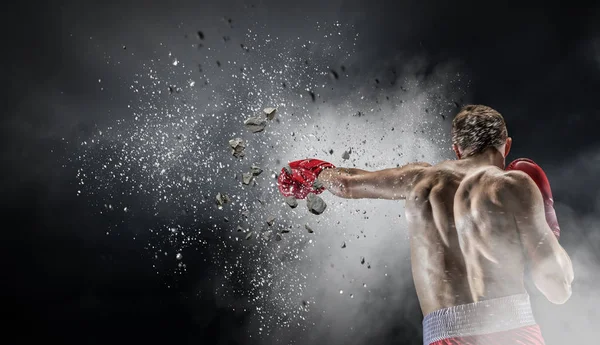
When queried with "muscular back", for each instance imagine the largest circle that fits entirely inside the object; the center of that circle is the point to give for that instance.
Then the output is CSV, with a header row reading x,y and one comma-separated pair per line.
x,y
464,245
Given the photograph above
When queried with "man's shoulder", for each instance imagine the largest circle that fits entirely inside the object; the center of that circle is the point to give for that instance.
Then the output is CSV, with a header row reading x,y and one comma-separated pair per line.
x,y
515,187
515,179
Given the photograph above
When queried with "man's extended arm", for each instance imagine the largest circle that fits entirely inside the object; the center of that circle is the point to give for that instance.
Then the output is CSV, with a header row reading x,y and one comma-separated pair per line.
x,y
391,184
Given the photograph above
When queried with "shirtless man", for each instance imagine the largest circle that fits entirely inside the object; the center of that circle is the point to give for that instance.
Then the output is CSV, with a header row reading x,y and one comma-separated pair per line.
x,y
474,227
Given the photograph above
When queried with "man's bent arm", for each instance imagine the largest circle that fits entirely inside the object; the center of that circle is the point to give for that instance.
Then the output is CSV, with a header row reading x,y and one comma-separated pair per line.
x,y
391,184
551,267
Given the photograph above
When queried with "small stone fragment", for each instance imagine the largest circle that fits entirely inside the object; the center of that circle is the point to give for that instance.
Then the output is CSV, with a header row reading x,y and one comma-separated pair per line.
x,y
267,235
249,235
178,256
291,201
255,124
317,184
343,245
362,260
308,228
240,229
346,155
247,178
270,221
288,169
255,170
237,145
315,204
368,265
277,237
246,214
334,74
285,230
221,199
270,112
226,219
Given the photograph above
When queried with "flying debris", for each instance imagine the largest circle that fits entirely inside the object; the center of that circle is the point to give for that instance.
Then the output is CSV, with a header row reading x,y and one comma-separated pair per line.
x,y
178,256
221,199
237,145
177,155
346,155
255,124
317,184
343,245
315,204
247,178
270,221
334,74
291,201
270,112
308,228
362,260
288,169
255,170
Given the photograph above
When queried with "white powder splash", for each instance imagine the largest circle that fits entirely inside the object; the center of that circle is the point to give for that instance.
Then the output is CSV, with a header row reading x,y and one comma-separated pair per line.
x,y
171,159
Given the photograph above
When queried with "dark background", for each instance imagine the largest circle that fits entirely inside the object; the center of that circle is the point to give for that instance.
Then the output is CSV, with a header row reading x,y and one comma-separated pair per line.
x,y
540,66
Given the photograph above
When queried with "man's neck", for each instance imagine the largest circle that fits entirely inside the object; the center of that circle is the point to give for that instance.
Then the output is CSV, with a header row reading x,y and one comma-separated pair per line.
x,y
490,156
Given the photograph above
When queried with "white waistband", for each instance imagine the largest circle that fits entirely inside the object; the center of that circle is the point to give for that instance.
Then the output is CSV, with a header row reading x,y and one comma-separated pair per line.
x,y
489,316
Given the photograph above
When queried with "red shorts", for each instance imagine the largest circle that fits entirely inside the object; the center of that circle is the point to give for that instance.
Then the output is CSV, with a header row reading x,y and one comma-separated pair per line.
x,y
502,321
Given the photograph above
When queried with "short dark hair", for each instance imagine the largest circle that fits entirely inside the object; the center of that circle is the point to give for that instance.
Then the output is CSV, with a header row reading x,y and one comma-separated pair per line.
x,y
478,127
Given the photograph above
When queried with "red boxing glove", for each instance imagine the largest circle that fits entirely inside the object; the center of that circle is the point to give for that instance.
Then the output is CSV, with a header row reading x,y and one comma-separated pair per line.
x,y
539,177
299,181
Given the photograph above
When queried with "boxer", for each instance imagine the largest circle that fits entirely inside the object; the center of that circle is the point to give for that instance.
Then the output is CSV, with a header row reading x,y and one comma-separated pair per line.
x,y
474,227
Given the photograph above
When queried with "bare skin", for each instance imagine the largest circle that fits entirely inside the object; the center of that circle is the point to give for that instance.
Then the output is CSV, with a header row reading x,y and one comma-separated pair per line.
x,y
473,227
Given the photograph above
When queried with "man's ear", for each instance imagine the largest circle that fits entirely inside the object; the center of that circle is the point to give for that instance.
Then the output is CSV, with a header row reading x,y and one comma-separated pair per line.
x,y
507,146
457,151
